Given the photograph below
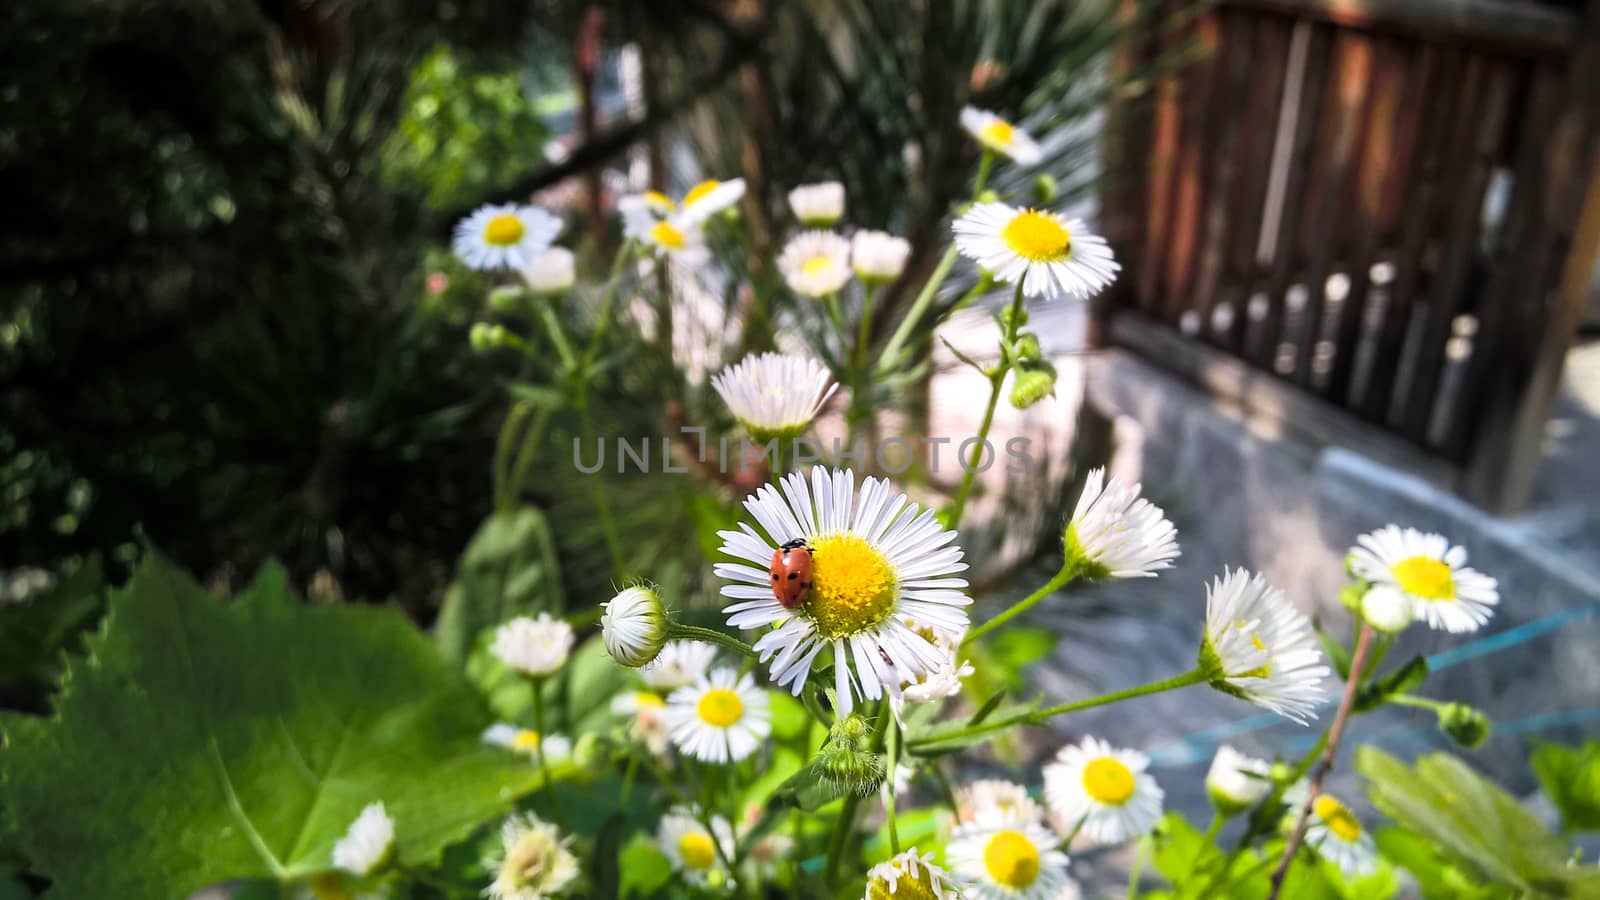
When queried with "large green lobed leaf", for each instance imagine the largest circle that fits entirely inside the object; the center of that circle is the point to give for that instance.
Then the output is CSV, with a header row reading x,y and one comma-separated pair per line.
x,y
203,741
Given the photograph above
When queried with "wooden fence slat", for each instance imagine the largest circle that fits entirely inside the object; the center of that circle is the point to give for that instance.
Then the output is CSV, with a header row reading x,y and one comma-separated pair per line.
x,y
1200,81
1163,176
1229,116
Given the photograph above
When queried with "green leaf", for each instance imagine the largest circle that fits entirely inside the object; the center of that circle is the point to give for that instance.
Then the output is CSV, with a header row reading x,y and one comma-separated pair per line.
x,y
1335,651
509,569
1403,680
1571,778
1473,822
203,741
645,870
1435,876
34,635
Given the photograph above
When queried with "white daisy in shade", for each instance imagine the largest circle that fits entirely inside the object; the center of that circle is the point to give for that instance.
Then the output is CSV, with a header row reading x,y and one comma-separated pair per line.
x,y
1259,648
996,797
648,718
368,844
504,236
773,395
818,205
675,236
1116,533
1387,608
535,860
930,687
552,272
527,741
1105,789
1048,255
909,876
721,718
877,256
710,197
1334,831
690,846
1434,575
999,135
634,626
679,663
1237,782
534,647
1002,857
815,263
876,561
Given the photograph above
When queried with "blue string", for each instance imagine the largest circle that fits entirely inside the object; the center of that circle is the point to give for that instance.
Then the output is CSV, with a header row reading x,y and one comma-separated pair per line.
x,y
1196,746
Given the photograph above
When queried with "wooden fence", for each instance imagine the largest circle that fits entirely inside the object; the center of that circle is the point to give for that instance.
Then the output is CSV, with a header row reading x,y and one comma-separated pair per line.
x,y
1375,218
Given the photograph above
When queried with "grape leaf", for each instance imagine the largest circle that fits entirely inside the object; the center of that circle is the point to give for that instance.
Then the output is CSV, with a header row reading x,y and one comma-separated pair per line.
x,y
202,741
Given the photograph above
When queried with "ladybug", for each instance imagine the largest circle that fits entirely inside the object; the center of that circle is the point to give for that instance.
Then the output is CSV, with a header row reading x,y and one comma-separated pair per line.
x,y
791,573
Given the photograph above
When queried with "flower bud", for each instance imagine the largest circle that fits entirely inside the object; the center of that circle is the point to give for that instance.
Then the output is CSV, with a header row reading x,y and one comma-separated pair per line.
x,y
1045,190
818,205
989,196
846,763
1022,318
482,337
1387,609
634,627
1032,383
506,299
1028,347
1466,725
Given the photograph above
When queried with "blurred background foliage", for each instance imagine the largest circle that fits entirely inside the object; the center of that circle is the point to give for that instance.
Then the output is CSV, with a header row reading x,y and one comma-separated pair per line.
x,y
214,332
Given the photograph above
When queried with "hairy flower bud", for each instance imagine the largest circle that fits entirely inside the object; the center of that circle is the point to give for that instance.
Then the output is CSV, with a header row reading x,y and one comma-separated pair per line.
x,y
1466,725
506,298
1033,382
1045,190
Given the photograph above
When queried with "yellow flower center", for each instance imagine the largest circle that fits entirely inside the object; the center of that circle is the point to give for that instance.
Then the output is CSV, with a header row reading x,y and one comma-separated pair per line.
x,y
697,850
818,265
666,235
1108,781
999,132
1339,819
906,887
1424,576
648,699
852,586
526,740
658,200
1011,859
720,707
1037,236
700,190
503,231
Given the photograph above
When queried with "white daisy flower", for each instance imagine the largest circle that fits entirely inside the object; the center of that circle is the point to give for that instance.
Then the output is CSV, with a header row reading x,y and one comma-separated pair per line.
x,y
818,205
689,845
877,256
653,203
535,861
1116,533
1000,136
1106,789
877,561
506,236
552,272
679,663
1334,831
368,844
909,876
527,741
773,395
648,712
768,853
534,647
721,718
675,236
1259,648
996,797
710,197
1237,782
634,626
1426,568
815,263
1050,256
1002,857
929,687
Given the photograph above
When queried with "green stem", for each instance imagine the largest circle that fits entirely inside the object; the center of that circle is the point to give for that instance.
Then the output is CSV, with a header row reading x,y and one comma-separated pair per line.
x,y
841,838
1060,580
1216,826
893,763
1073,834
837,315
558,335
531,438
1138,867
502,454
864,329
984,166
608,299
1416,702
544,765
1038,717
996,381
891,351
597,484
676,631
